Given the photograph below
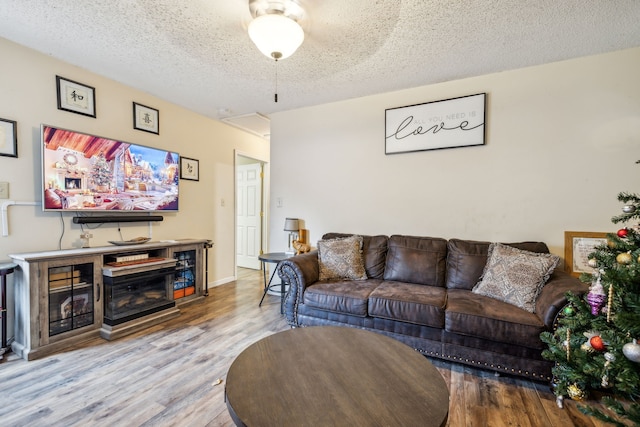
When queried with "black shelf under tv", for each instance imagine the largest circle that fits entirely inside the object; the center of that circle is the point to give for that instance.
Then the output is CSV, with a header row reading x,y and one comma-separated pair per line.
x,y
116,218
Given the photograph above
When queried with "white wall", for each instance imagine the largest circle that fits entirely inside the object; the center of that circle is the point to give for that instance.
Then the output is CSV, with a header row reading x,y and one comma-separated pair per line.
x,y
561,142
28,95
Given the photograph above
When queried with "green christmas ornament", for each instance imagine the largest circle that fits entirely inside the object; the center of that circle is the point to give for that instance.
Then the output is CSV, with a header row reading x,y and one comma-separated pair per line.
x,y
569,310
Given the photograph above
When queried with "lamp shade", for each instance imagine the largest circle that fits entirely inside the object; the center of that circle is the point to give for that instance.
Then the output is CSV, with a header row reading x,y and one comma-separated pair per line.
x,y
291,224
275,35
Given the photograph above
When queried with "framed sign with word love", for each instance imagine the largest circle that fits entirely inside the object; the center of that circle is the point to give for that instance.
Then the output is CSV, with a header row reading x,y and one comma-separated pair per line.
x,y
456,122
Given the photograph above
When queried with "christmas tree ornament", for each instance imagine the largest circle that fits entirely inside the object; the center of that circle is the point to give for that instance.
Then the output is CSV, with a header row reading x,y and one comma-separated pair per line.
x,y
631,351
593,263
622,233
628,209
586,347
597,343
609,302
596,297
624,258
576,393
569,310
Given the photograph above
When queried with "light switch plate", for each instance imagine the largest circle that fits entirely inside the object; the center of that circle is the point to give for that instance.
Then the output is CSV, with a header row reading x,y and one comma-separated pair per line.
x,y
4,190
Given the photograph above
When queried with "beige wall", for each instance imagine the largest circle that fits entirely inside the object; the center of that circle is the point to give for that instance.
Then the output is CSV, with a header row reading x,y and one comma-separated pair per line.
x,y
561,142
28,95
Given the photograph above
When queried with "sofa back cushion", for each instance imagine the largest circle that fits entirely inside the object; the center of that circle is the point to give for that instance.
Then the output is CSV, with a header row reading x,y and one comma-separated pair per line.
x,y
374,252
419,260
466,260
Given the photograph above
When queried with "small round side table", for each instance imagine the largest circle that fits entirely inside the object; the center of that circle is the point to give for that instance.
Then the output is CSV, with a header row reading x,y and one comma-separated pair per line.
x,y
275,258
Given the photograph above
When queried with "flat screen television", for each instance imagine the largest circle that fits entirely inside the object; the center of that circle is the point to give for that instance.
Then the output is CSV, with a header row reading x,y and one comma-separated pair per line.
x,y
82,172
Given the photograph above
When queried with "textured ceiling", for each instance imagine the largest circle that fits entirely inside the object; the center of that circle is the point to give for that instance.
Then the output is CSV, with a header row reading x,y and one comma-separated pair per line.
x,y
196,53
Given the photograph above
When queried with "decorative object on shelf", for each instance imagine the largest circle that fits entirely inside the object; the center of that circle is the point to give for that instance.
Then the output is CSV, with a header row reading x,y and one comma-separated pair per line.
x,y
189,169
578,245
300,247
8,138
146,119
76,97
450,123
134,241
292,225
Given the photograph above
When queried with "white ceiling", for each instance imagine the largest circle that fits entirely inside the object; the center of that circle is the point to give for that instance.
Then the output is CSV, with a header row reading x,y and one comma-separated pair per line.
x,y
196,53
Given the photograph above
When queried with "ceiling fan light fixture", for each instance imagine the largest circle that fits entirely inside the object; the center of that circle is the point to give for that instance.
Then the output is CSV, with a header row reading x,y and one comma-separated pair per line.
x,y
276,35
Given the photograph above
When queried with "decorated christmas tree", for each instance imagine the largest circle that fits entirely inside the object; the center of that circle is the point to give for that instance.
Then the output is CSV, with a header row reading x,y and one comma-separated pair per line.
x,y
100,171
594,346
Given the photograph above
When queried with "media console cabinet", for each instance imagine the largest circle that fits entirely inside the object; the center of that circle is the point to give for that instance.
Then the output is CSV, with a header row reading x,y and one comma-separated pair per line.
x,y
67,296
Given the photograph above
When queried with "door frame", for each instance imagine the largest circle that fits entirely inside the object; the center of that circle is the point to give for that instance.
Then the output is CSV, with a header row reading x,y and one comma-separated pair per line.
x,y
265,202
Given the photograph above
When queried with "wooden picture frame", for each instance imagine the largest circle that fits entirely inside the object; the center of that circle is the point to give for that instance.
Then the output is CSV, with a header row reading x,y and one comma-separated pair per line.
x,y
577,247
146,119
76,97
8,138
189,169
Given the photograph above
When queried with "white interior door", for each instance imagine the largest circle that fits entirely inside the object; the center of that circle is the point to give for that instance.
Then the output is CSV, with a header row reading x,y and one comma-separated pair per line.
x,y
249,218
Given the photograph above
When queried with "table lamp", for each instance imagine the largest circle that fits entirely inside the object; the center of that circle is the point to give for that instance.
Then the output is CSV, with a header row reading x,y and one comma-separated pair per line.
x,y
292,225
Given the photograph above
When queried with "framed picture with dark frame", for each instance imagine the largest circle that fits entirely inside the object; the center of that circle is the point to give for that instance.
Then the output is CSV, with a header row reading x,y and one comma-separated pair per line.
x,y
189,169
8,138
577,247
146,119
76,97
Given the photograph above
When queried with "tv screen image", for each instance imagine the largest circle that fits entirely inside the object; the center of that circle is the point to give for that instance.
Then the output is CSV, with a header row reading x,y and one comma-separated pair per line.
x,y
83,172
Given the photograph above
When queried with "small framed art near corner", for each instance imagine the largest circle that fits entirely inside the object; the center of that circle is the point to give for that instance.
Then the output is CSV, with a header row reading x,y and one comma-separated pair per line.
x,y
76,97
146,118
8,138
577,247
189,169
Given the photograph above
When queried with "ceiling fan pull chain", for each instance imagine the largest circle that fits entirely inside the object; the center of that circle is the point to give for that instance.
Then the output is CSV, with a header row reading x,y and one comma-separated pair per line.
x,y
276,94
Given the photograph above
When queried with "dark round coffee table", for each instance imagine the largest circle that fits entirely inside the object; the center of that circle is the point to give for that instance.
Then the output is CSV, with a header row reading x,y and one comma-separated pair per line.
x,y
334,376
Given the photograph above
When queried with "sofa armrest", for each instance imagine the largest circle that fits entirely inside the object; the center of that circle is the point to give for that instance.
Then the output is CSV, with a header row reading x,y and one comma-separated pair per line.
x,y
298,272
553,298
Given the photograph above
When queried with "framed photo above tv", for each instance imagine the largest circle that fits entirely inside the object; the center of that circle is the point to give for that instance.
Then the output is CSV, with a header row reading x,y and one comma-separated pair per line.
x,y
76,97
8,138
83,172
146,118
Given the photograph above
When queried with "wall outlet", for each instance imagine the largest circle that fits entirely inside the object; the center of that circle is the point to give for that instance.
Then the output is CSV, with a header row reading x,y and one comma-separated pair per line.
x,y
4,190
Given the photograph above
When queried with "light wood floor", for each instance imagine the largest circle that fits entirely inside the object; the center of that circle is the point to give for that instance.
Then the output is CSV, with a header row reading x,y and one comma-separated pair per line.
x,y
166,375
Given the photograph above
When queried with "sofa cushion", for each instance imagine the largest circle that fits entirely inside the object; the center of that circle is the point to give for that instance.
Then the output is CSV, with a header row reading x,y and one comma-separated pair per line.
x,y
422,305
466,260
483,317
341,296
374,252
341,258
419,260
515,276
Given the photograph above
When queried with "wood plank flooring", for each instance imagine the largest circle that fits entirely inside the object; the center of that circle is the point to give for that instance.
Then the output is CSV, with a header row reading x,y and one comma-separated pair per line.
x,y
167,374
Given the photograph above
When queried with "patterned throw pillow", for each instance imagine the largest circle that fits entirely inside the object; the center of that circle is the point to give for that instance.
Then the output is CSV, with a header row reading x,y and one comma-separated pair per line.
x,y
515,276
341,259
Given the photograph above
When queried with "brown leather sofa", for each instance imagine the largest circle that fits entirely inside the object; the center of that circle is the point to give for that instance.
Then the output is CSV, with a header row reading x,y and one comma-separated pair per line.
x,y
419,291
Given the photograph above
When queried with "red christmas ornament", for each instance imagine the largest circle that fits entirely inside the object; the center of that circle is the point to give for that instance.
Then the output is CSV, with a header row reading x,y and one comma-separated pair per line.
x,y
622,233
597,343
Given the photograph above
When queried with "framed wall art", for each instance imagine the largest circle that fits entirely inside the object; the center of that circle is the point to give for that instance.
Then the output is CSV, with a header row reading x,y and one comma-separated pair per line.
x,y
189,169
456,122
8,138
577,247
76,97
146,118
